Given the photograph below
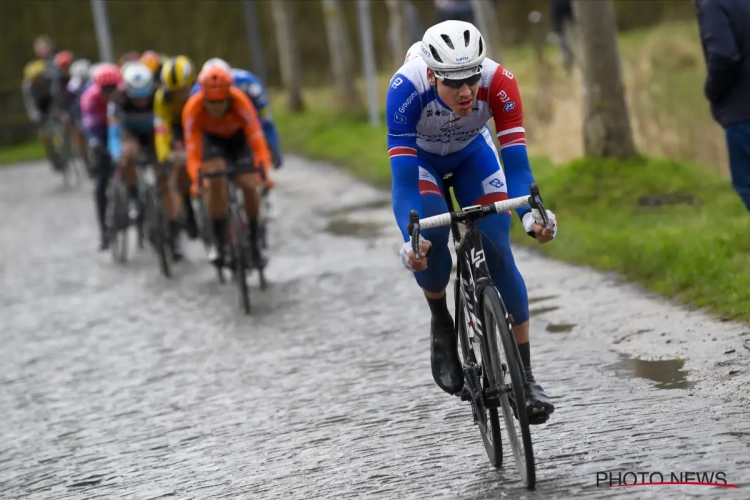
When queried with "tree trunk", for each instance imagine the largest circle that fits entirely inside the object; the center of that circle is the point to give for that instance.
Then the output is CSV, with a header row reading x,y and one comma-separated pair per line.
x,y
340,54
606,124
288,56
396,32
486,21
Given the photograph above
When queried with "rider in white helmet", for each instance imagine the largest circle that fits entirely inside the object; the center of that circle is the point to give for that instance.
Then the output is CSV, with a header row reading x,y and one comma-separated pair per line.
x,y
414,51
437,109
216,61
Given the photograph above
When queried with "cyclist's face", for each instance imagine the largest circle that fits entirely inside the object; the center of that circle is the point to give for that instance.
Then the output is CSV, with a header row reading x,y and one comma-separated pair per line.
x,y
460,100
182,94
216,109
42,49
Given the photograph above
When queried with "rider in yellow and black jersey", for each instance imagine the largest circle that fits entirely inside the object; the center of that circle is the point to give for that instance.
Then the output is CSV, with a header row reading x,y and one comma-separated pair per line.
x,y
177,77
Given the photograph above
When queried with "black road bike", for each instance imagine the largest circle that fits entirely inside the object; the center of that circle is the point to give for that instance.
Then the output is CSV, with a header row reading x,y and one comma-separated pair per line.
x,y
123,212
155,218
494,378
240,257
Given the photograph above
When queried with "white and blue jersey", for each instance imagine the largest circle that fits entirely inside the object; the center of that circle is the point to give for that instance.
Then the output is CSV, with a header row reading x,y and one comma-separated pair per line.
x,y
251,85
426,141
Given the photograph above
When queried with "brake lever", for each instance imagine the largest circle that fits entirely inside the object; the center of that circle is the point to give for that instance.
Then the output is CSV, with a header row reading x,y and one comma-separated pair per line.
x,y
413,230
537,207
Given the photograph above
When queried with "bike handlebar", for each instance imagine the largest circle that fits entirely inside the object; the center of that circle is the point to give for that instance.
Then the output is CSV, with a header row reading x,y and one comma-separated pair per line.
x,y
234,169
534,200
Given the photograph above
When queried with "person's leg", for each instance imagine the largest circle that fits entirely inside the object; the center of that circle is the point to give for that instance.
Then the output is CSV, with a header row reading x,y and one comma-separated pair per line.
x,y
738,144
446,366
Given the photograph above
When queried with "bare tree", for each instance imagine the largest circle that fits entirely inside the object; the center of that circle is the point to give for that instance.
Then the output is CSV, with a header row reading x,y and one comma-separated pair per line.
x,y
340,52
486,20
396,31
606,123
288,56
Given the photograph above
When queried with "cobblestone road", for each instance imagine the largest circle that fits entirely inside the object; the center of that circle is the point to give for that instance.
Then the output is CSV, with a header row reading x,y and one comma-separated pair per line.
x,y
115,383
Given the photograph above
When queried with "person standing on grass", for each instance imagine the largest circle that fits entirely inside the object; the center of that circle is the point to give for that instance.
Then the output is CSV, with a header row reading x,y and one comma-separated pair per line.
x,y
725,36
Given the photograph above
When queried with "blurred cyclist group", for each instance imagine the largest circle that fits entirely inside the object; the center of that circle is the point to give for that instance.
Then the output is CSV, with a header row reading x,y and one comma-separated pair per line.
x,y
162,108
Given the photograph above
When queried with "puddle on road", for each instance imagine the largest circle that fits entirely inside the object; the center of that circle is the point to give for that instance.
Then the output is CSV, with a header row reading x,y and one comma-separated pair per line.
x,y
534,300
370,205
666,373
542,310
346,227
560,327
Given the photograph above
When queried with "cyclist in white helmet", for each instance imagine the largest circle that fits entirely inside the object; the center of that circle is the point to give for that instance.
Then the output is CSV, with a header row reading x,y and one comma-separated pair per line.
x,y
437,109
131,121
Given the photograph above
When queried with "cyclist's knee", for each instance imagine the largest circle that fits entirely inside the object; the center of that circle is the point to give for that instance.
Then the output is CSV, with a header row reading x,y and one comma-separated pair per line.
x,y
438,273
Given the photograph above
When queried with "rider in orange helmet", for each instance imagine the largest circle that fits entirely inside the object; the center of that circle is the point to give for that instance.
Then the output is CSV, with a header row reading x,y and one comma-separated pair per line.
x,y
153,61
220,123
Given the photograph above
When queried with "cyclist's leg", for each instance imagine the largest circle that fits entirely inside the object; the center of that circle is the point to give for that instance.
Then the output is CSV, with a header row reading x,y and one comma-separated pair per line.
x,y
127,163
103,169
446,366
215,197
181,183
249,184
480,180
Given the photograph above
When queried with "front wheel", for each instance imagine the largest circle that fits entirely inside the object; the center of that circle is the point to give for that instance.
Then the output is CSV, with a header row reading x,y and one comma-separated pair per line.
x,y
486,418
238,233
503,368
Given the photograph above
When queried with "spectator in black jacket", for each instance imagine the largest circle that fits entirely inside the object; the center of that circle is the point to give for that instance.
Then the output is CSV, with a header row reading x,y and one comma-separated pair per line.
x,y
725,35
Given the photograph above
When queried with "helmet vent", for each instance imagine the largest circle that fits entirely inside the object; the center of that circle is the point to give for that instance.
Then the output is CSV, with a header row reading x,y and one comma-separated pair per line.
x,y
467,38
481,46
448,41
435,54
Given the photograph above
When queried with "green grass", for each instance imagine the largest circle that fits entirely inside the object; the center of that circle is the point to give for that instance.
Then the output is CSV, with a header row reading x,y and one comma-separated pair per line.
x,y
28,151
694,248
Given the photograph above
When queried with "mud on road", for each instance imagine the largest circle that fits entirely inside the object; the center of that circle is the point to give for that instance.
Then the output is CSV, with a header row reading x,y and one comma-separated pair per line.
x,y
116,383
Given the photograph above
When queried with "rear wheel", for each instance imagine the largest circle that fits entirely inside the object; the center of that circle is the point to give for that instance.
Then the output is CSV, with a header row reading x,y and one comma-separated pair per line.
x,y
487,418
157,227
238,239
118,220
506,378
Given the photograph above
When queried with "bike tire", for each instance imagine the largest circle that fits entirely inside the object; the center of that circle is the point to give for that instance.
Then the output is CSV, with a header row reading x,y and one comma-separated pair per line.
x,y
117,208
157,226
240,257
497,328
493,445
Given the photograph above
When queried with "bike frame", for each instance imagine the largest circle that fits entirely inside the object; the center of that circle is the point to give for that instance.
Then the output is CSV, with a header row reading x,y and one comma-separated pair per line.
x,y
472,277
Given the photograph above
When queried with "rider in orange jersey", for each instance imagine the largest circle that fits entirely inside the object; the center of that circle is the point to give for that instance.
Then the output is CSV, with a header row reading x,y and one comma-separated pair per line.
x,y
220,123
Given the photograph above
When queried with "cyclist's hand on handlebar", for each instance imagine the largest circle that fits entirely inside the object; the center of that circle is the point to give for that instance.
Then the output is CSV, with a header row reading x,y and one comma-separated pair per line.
x,y
542,234
407,256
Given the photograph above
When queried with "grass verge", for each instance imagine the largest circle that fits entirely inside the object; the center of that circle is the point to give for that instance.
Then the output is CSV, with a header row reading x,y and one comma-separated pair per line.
x,y
23,152
677,228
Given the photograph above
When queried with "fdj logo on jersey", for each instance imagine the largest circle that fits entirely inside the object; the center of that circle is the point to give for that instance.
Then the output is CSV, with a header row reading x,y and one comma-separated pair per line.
x,y
398,81
509,106
496,183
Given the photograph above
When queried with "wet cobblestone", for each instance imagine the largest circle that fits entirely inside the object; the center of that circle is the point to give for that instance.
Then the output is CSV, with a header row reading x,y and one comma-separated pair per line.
x,y
115,383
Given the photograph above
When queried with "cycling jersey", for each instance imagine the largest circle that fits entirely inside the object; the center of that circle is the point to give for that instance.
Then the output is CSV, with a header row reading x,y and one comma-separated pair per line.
x,y
94,113
123,114
241,116
419,121
253,88
167,122
39,89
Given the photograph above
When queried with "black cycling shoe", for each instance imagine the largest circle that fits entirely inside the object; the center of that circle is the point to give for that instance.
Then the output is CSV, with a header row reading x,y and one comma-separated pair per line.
x,y
104,244
446,366
538,405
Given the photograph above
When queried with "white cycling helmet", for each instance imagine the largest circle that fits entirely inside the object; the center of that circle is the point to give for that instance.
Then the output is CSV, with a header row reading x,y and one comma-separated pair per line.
x,y
138,79
215,61
454,50
414,52
81,69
